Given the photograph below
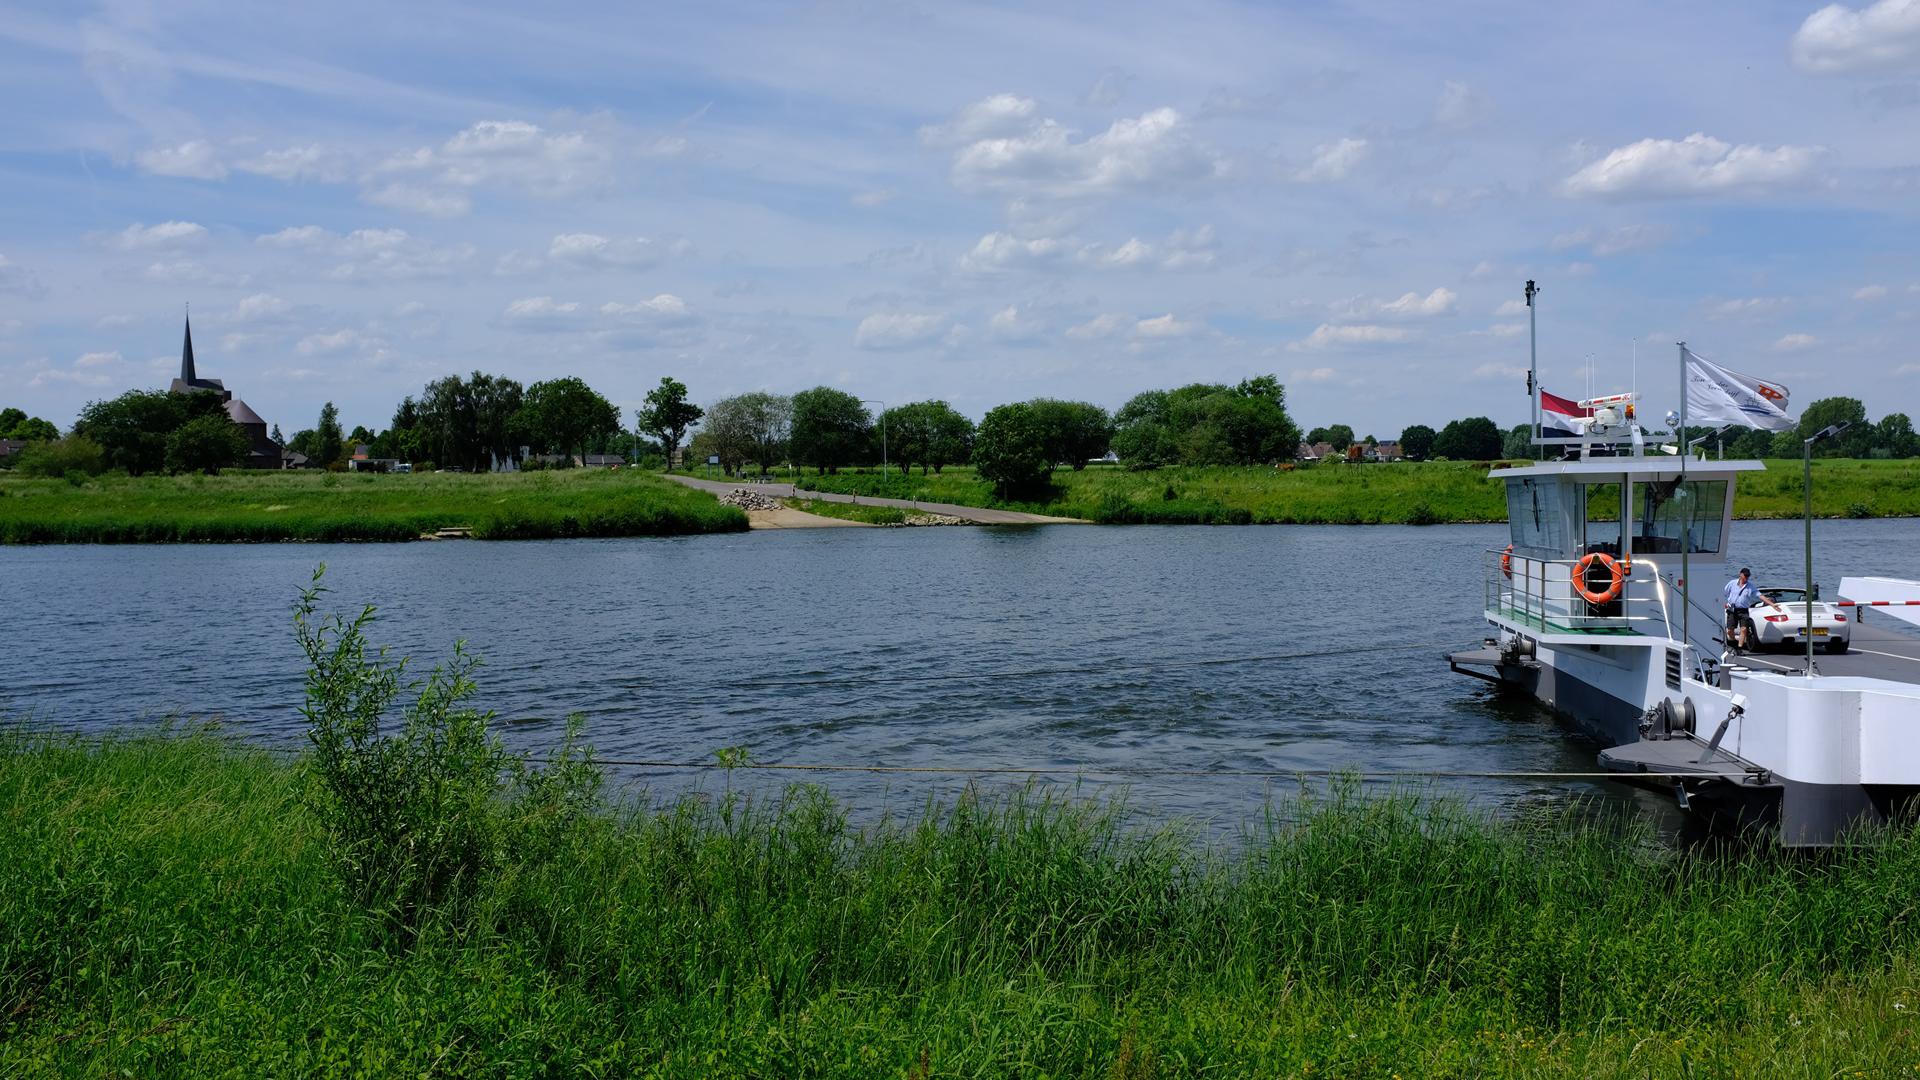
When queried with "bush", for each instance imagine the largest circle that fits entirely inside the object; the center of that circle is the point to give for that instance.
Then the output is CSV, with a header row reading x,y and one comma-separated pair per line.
x,y
1860,510
1422,514
420,816
75,453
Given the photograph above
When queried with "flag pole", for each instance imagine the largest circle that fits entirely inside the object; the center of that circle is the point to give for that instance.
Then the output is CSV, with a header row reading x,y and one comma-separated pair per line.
x,y
1533,375
1686,517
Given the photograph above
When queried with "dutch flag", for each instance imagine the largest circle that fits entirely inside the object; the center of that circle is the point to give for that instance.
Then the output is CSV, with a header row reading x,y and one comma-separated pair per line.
x,y
1562,419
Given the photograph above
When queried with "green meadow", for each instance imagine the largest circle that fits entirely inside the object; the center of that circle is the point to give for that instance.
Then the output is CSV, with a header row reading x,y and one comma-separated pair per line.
x,y
1420,493
275,506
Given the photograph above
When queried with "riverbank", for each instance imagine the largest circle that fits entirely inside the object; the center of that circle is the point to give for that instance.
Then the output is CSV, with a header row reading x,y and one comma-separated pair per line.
x,y
171,909
1416,493
281,506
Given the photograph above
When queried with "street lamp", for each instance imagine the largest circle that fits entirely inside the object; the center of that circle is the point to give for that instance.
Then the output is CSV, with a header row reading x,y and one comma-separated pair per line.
x,y
1806,464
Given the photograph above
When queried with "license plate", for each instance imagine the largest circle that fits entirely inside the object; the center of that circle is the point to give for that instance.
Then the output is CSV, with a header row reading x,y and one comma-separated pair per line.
x,y
1819,631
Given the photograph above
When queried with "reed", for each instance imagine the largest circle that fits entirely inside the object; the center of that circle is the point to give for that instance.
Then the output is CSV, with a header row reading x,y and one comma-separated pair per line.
x,y
280,506
171,907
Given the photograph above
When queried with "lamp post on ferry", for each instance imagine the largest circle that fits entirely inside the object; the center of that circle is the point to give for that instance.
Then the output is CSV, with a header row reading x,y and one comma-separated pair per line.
x,y
1806,465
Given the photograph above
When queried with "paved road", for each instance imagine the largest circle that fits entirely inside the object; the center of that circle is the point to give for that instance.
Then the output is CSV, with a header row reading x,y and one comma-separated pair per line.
x,y
975,514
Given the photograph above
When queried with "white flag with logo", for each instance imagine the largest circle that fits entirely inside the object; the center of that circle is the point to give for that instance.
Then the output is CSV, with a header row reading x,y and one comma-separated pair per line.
x,y
1718,396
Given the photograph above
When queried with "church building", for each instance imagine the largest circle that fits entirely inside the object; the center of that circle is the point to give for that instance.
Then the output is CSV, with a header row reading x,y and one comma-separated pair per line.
x,y
263,452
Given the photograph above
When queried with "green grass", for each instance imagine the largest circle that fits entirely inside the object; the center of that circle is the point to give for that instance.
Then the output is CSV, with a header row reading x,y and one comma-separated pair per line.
x,y
1395,493
872,515
170,908
271,506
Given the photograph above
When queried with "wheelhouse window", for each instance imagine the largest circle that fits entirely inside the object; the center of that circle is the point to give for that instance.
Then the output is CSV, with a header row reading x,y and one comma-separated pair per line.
x,y
1539,516
1670,510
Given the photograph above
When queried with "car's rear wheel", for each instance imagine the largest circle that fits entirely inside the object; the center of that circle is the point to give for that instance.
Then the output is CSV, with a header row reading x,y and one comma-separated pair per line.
x,y
1836,645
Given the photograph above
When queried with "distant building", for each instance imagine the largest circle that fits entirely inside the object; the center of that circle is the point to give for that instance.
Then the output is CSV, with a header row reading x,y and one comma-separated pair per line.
x,y
262,451
1388,451
605,461
10,447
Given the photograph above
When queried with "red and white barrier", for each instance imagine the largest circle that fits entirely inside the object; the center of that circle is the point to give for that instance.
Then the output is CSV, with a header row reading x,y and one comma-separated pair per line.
x,y
1900,597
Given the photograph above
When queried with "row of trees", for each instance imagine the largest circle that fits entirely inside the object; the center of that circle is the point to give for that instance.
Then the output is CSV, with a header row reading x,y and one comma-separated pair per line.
x,y
826,430
1207,424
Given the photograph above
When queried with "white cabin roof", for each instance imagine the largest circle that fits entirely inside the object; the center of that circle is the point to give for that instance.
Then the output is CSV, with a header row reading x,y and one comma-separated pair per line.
x,y
1640,468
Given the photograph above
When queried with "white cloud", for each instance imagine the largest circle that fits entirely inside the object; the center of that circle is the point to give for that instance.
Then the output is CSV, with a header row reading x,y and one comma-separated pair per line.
x,y
1100,326
1880,36
900,331
999,116
260,307
164,235
1460,105
1795,343
433,202
1328,335
1165,326
295,163
194,159
1038,157
1696,165
665,306
1134,252
511,153
1333,161
1411,305
1190,249
411,308
872,198
296,236
188,272
542,308
97,359
47,376
1510,307
1313,375
1614,241
1004,251
391,254
108,322
592,250
1011,324
323,344
1869,293
1496,370
1751,306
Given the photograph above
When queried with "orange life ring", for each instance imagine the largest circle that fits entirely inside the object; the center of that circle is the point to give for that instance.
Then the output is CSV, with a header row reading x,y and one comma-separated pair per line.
x,y
1613,567
1506,561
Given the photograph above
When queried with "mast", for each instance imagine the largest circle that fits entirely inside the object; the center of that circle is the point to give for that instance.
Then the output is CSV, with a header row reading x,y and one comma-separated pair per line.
x,y
1533,377
1686,516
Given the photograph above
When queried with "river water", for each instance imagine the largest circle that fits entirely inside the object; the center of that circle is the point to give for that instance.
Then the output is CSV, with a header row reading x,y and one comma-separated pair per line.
x,y
1091,651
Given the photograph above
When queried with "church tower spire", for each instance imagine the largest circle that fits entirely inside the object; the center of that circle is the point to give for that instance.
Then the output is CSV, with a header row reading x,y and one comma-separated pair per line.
x,y
186,354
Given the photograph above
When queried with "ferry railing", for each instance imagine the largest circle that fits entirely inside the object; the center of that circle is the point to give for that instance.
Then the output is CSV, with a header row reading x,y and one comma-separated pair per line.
x,y
1540,593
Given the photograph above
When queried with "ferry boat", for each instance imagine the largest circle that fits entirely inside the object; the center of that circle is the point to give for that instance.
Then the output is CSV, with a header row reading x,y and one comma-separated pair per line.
x,y
1592,615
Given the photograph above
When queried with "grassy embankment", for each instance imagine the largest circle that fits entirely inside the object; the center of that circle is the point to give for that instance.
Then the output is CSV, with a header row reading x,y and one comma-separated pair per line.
x,y
871,515
1398,493
255,506
171,908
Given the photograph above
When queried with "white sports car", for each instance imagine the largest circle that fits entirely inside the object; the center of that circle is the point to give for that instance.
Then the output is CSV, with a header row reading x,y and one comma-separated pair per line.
x,y
1784,622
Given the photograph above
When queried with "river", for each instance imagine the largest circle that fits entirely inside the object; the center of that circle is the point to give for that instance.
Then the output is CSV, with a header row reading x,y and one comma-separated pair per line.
x,y
1087,650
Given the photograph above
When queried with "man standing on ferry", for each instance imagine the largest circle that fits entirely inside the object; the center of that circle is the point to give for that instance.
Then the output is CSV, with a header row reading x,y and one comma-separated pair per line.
x,y
1740,596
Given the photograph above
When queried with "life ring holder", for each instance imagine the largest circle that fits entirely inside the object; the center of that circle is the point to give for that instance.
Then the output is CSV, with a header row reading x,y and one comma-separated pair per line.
x,y
1616,570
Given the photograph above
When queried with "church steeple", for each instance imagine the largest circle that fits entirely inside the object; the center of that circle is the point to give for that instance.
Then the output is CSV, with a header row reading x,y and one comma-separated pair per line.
x,y
186,355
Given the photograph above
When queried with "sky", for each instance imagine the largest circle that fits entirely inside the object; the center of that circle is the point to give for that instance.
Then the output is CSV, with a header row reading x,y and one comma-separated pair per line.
x,y
980,203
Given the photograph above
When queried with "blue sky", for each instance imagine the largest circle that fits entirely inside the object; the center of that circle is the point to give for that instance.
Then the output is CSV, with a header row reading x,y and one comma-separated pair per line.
x,y
975,202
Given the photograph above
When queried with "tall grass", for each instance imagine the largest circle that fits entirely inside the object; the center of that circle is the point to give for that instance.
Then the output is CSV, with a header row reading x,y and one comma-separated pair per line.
x,y
1417,493
279,506
171,909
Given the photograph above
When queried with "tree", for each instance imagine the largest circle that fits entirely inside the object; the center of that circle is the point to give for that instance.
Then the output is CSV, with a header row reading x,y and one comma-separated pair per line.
x,y
1339,436
668,414
276,437
360,436
1207,424
1519,442
830,428
16,424
207,444
326,437
1010,451
1856,441
63,457
1894,434
1751,443
1143,436
1476,437
132,429
497,401
1416,442
565,416
1075,432
750,427
930,434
